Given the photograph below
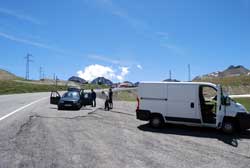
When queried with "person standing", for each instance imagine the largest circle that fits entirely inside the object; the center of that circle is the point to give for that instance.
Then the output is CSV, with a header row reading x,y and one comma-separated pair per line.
x,y
106,104
93,95
110,98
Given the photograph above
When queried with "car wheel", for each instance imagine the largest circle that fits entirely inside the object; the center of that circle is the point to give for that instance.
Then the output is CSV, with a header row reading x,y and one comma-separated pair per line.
x,y
79,107
156,121
228,127
59,108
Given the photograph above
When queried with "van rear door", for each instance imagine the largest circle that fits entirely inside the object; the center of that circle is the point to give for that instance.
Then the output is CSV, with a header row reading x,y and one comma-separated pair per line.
x,y
153,97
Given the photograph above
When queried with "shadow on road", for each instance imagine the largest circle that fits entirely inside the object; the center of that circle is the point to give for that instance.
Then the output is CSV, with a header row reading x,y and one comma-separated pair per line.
x,y
198,132
71,109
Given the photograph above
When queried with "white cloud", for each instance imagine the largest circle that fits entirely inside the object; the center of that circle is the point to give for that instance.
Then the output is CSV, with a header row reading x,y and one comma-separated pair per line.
x,y
103,58
162,35
93,71
19,16
176,49
139,66
124,72
29,42
111,7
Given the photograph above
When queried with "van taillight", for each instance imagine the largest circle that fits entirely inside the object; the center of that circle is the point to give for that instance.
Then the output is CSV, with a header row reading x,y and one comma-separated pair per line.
x,y
138,103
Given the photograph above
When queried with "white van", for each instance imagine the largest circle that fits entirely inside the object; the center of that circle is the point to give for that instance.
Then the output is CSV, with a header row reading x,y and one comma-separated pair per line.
x,y
190,103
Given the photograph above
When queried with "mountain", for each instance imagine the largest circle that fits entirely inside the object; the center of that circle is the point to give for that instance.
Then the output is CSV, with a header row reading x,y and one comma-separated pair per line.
x,y
235,71
171,80
77,80
5,75
102,81
231,71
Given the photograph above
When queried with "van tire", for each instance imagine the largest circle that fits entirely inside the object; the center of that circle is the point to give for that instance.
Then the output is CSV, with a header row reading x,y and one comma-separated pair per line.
x,y
228,127
156,121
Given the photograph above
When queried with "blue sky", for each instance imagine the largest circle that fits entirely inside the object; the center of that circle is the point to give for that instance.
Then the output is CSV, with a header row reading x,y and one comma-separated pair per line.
x,y
133,40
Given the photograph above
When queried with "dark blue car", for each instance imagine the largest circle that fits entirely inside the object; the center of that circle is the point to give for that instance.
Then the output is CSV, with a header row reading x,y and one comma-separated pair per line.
x,y
71,99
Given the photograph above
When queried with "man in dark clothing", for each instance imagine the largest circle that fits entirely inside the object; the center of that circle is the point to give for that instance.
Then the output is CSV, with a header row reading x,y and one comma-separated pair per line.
x,y
93,95
110,98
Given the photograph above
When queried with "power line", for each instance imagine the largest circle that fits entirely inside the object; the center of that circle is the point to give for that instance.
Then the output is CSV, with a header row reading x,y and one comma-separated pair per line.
x,y
28,60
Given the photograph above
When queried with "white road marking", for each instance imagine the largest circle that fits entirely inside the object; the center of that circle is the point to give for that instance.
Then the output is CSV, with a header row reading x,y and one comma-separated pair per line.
x,y
21,108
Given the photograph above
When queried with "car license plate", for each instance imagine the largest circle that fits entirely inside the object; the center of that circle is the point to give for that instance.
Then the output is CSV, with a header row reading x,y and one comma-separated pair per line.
x,y
67,105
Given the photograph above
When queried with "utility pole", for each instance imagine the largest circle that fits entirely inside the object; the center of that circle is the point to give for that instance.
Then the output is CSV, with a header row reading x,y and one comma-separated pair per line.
x,y
40,72
170,75
43,75
189,73
56,80
28,60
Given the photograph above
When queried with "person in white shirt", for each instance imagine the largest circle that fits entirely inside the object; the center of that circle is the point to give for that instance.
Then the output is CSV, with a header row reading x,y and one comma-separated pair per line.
x,y
106,104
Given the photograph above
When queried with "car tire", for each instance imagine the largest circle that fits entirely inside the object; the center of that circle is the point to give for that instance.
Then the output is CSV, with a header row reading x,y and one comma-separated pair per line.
x,y
79,107
228,127
156,121
59,108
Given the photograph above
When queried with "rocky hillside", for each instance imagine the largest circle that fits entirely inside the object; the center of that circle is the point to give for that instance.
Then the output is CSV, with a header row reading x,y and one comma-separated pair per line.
x,y
231,71
77,80
5,75
102,81
234,79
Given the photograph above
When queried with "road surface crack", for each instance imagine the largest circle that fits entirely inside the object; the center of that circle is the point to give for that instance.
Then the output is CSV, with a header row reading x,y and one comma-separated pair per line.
x,y
26,124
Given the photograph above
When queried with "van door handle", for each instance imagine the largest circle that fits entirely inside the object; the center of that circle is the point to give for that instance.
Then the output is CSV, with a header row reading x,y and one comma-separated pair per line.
x,y
192,104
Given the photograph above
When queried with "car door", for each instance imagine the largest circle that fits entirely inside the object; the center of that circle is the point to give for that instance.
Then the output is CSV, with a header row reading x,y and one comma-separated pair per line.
x,y
220,109
54,97
86,99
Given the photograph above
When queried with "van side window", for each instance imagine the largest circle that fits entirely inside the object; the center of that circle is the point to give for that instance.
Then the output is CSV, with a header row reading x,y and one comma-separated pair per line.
x,y
209,93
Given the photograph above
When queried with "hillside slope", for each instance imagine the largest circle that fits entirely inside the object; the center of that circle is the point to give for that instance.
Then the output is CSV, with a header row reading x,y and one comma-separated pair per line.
x,y
233,85
231,71
5,75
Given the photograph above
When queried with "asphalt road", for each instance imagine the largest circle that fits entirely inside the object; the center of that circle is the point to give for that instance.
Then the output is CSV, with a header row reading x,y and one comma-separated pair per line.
x,y
37,135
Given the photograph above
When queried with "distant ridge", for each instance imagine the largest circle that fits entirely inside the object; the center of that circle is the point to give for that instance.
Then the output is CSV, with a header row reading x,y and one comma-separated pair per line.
x,y
5,75
231,71
171,80
77,79
102,81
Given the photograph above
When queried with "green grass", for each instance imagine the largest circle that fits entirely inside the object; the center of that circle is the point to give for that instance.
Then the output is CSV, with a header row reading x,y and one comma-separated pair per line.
x,y
10,87
92,86
244,101
125,95
228,81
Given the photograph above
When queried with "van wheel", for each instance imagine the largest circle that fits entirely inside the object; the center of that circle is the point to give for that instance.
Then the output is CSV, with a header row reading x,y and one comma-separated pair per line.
x,y
156,121
228,127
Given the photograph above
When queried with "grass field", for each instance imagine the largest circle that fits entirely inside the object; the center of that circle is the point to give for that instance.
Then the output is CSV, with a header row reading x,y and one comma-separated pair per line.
x,y
125,95
12,86
228,81
244,101
232,85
